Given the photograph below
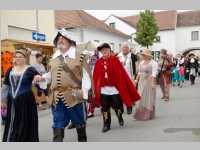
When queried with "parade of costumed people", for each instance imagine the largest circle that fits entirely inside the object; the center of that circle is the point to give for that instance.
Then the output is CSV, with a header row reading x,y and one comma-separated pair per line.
x,y
66,94
146,79
113,87
21,123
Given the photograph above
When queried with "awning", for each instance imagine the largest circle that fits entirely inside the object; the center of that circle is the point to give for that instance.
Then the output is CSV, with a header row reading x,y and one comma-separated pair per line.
x,y
6,42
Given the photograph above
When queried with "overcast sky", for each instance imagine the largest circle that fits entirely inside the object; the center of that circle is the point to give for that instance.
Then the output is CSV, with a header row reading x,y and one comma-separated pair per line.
x,y
103,14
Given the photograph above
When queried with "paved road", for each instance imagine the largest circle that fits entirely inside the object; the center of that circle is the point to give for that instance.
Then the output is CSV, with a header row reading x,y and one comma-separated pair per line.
x,y
177,120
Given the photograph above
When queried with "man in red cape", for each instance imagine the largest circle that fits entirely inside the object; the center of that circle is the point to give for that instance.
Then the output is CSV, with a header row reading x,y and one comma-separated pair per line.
x,y
113,87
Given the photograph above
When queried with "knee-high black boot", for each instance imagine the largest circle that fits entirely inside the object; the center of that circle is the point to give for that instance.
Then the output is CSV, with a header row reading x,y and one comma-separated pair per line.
x,y
82,137
106,121
129,110
58,135
119,116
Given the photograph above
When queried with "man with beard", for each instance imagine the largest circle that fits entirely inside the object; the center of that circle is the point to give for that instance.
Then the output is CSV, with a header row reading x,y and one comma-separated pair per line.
x,y
66,92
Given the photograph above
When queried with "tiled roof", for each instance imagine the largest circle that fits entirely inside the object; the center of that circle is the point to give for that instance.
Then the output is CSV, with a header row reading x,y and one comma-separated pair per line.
x,y
79,18
189,18
166,20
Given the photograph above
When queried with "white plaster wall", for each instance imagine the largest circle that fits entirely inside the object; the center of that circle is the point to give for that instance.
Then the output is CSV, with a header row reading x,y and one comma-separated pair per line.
x,y
167,41
103,36
121,25
183,38
76,34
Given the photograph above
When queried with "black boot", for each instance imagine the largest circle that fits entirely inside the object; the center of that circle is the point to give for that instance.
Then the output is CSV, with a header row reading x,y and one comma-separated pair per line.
x,y
82,137
71,126
129,110
119,116
58,135
106,121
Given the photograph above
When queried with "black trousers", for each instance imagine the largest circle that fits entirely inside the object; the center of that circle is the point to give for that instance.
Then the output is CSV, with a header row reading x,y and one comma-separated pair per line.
x,y
109,101
192,79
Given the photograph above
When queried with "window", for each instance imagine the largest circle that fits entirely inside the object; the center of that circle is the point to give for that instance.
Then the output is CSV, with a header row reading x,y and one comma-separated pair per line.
x,y
157,55
157,38
195,35
112,24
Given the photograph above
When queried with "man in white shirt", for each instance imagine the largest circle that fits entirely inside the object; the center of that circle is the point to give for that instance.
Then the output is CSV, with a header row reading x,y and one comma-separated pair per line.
x,y
128,60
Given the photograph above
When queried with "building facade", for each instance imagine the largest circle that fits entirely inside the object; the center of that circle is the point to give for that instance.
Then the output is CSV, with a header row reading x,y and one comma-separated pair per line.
x,y
85,27
33,29
178,32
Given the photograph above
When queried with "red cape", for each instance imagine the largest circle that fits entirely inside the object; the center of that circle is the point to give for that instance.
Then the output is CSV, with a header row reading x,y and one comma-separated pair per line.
x,y
120,80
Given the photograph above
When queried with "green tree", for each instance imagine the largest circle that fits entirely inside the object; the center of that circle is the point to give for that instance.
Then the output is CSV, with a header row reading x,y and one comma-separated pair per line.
x,y
146,29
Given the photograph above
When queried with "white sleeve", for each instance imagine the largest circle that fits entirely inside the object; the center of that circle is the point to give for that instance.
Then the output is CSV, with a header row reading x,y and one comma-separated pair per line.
x,y
86,83
47,77
154,68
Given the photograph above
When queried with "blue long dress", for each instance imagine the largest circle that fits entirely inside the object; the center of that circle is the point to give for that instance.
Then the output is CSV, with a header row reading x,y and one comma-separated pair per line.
x,y
22,117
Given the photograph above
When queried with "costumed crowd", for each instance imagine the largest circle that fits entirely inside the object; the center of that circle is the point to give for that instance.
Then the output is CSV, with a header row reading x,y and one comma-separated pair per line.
x,y
75,85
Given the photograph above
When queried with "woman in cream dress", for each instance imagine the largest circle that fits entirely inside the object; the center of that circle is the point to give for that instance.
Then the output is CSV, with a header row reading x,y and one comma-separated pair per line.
x,y
146,79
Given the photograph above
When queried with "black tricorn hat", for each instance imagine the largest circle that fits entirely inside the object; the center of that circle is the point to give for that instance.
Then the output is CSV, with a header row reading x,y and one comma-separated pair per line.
x,y
104,45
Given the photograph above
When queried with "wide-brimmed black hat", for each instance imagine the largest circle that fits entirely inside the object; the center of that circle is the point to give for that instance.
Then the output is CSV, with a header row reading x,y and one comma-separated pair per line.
x,y
64,34
104,45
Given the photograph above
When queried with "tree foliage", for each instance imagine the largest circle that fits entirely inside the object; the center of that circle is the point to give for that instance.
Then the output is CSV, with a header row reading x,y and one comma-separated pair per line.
x,y
147,29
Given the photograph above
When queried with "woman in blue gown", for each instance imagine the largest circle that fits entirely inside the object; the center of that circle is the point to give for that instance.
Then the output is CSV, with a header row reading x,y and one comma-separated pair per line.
x,y
22,118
